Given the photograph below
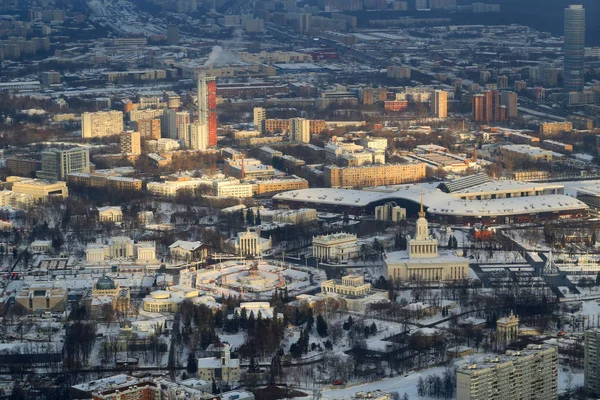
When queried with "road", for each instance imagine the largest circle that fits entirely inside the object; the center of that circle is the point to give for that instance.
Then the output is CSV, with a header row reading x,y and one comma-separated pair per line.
x,y
175,333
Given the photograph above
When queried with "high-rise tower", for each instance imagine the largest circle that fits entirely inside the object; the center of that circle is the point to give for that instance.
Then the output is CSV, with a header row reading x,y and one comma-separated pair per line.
x,y
207,106
440,104
574,48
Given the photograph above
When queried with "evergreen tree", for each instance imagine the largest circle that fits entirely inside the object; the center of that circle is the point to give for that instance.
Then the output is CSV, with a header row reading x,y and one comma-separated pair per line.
x,y
373,328
219,318
257,219
250,217
192,363
244,319
310,320
214,386
251,325
253,367
275,371
295,350
321,326
421,387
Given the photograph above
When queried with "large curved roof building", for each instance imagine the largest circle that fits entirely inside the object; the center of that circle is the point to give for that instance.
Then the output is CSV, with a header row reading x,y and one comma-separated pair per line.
x,y
467,200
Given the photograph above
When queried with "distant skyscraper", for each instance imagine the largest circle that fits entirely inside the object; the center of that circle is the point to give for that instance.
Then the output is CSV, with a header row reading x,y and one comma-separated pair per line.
x,y
509,99
440,104
574,48
300,130
486,107
259,119
502,82
168,124
182,120
478,101
207,106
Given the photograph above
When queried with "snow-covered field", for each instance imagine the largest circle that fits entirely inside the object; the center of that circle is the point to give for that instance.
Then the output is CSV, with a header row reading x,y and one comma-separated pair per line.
x,y
408,384
400,384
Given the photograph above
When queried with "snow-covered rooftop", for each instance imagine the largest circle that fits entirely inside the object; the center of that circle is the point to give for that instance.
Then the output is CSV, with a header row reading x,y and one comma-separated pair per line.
x,y
436,201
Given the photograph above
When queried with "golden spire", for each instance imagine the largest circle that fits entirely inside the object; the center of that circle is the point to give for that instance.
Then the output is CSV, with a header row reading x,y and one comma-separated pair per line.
x,y
422,212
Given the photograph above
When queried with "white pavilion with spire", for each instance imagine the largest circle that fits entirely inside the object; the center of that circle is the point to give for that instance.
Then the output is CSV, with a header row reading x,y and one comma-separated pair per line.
x,y
422,261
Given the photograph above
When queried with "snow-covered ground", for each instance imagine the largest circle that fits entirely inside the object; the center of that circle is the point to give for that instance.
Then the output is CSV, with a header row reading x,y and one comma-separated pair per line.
x,y
123,16
408,384
400,384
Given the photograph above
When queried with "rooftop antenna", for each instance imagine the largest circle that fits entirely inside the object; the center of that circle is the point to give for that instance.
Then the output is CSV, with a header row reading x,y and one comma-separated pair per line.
x,y
422,213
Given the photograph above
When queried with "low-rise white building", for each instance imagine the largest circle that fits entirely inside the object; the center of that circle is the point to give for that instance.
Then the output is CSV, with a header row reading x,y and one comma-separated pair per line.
x,y
188,251
221,367
121,248
299,216
379,143
232,188
251,244
110,214
41,246
17,200
335,247
354,293
169,300
262,307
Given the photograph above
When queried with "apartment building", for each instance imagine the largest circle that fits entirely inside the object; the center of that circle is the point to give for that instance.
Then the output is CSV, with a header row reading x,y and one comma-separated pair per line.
x,y
591,362
248,168
440,104
528,374
554,128
171,188
150,102
272,186
232,188
283,125
22,166
373,175
102,180
300,130
16,200
138,115
130,143
260,115
101,123
149,129
172,99
198,136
